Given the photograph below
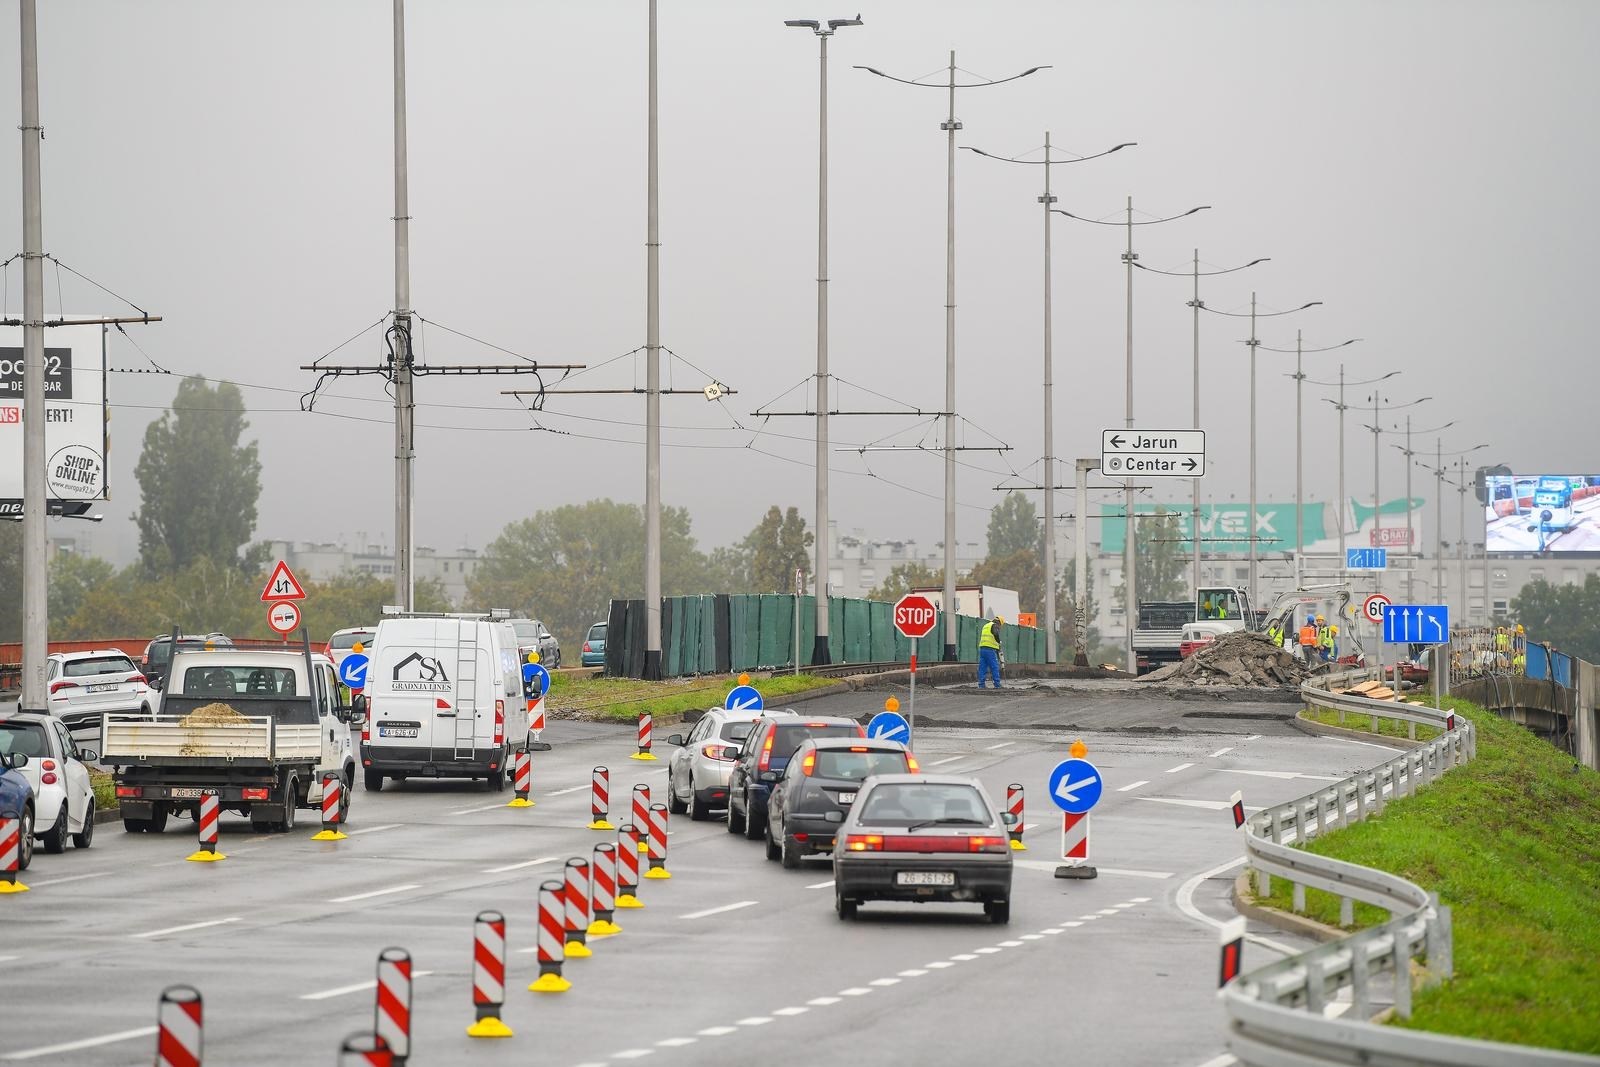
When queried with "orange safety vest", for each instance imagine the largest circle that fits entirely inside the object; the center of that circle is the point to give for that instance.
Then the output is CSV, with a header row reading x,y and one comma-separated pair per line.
x,y
1308,635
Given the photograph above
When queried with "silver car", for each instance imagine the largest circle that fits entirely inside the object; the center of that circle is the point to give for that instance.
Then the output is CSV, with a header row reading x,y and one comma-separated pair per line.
x,y
697,774
85,685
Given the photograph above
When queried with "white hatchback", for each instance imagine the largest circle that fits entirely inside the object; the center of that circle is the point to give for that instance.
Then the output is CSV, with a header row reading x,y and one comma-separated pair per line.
x,y
63,796
83,686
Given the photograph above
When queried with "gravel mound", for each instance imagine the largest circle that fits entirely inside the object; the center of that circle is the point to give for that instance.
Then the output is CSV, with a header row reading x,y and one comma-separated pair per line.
x,y
1238,658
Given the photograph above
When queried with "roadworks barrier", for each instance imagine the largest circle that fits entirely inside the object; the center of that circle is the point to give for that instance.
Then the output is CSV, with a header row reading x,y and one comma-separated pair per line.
x,y
600,799
11,854
657,851
392,1010
208,825
332,808
552,939
488,975
628,842
645,726
603,891
522,775
577,908
180,1034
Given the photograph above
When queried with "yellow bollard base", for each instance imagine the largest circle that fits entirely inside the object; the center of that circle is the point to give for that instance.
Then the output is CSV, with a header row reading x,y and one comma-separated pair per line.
x,y
12,887
206,857
602,928
628,900
644,846
601,824
577,950
329,835
520,802
1018,846
550,983
643,756
490,1027
658,872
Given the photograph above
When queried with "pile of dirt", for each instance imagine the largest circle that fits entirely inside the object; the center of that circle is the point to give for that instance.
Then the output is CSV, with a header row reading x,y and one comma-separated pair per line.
x,y
1239,658
213,715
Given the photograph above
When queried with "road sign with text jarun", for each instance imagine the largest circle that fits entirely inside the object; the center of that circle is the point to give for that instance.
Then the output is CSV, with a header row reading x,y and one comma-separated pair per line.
x,y
282,585
915,615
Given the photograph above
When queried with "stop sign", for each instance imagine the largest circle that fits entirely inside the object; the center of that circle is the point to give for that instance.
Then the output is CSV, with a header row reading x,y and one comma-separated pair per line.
x,y
915,615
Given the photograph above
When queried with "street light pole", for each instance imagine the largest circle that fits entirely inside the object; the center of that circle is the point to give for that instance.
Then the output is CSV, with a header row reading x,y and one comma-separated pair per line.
x,y
652,397
1342,407
35,545
819,650
405,444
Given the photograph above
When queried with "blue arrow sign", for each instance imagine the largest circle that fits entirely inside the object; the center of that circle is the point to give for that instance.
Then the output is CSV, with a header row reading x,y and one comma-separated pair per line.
x,y
353,671
889,726
1366,559
744,698
535,679
1075,786
1416,624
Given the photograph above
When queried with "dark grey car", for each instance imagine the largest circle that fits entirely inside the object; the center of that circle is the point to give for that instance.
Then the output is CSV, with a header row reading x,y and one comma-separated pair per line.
x,y
818,787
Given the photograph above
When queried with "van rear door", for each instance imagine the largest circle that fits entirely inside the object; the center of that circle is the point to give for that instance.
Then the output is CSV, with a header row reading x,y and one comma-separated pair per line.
x,y
412,686
464,723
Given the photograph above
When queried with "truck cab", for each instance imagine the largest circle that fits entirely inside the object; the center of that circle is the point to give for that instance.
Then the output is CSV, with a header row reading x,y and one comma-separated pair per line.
x,y
1158,639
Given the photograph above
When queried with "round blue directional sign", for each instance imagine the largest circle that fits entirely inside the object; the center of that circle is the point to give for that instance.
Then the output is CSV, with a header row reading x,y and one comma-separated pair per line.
x,y
353,671
744,698
536,679
1075,786
889,726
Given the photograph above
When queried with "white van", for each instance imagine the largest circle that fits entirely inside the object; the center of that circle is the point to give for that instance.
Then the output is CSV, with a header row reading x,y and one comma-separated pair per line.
x,y
443,700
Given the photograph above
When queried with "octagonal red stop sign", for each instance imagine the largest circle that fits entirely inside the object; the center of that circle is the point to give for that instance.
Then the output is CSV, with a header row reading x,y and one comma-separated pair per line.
x,y
915,615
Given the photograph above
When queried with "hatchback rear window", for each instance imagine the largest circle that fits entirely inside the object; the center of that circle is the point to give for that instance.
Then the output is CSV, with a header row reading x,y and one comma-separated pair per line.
x,y
349,640
85,668
24,737
787,737
597,632
842,763
904,803
736,731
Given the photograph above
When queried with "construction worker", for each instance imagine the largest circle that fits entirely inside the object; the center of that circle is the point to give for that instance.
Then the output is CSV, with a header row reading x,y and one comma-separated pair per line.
x,y
989,650
1321,635
1308,640
1502,648
1331,647
1274,633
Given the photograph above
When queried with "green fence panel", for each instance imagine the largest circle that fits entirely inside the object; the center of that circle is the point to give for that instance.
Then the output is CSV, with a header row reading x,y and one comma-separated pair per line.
x,y
744,617
857,632
808,628
881,624
776,630
706,662
967,629
689,636
836,630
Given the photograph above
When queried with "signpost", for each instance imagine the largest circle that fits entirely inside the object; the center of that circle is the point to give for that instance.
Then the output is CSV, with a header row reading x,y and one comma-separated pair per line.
x,y
352,670
1366,559
889,726
1153,453
1374,608
282,585
1075,787
1416,624
744,698
283,617
914,616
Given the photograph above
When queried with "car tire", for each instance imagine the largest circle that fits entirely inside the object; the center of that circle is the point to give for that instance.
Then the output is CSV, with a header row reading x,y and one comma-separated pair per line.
x,y
372,780
85,837
752,828
735,820
846,908
790,853
25,841
774,850
998,911
674,805
55,838
699,810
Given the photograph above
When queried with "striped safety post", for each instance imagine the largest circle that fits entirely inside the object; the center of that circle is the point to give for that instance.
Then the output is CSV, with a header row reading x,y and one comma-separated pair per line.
x,y
365,1050
576,921
1014,804
180,1037
644,752
1232,962
332,808
392,1012
208,823
657,851
641,813
603,890
1236,802
536,725
552,939
600,799
522,776
488,975
11,854
628,839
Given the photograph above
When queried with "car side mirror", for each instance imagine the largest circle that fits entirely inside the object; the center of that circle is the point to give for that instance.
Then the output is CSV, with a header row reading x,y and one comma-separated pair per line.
x,y
770,776
19,760
88,755
675,739
833,816
1009,818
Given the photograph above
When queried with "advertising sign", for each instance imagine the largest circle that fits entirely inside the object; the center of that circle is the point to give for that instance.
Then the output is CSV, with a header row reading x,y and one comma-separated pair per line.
x,y
1545,513
1225,528
75,415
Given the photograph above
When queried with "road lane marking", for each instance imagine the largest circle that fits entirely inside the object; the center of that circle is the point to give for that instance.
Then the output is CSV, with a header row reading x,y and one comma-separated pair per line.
x,y
344,990
1209,805
915,972
755,1020
854,991
74,1046
8,959
735,906
1090,918
675,1042
884,982
947,759
1367,744
1011,944
1253,737
1224,1060
632,1053
372,893
1141,900
716,1031
376,829
822,1002
1032,937
186,927
1133,785
1071,924
520,866
70,878
938,965
1002,744
791,1011
821,885
486,807
1051,930
1129,873
574,789
1108,911
1185,902
1179,767
1124,905
1220,752
988,950
964,957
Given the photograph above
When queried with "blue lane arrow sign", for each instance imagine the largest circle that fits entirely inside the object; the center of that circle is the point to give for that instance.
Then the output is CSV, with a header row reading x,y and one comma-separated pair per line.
x,y
353,671
1075,786
535,679
1420,624
889,726
1366,559
744,698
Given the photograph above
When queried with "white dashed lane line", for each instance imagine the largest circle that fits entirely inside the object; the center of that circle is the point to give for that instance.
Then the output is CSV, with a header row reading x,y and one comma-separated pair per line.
x,y
74,1046
186,927
372,893
1220,752
1179,767
735,906
998,745
520,866
1133,785
947,759
821,885
376,829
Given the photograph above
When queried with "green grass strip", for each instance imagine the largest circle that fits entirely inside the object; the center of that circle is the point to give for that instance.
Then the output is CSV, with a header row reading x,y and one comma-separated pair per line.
x,y
1511,842
622,699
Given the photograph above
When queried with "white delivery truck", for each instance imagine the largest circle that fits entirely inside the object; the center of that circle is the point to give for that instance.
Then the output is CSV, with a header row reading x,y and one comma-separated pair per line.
x,y
443,699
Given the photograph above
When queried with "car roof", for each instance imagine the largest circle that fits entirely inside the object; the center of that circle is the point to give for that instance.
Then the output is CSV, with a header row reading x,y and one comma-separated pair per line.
x,y
28,716
86,654
731,715
923,779
790,717
357,630
875,744
247,657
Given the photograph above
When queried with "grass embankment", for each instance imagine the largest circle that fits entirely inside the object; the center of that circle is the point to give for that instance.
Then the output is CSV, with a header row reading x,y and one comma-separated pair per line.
x,y
622,699
105,790
1511,842
1353,721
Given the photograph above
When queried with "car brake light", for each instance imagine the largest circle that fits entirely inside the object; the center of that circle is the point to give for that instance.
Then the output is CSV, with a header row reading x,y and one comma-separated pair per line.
x,y
586,647
766,753
499,722
366,723
715,751
802,837
987,844
859,748
56,687
48,778
48,764
131,791
139,679
254,793
912,766
864,843
809,764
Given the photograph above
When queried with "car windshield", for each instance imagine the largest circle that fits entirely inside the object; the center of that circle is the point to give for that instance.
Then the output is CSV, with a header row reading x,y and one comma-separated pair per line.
x,y
237,681
846,763
905,803
349,640
736,731
788,736
597,632
85,668
24,737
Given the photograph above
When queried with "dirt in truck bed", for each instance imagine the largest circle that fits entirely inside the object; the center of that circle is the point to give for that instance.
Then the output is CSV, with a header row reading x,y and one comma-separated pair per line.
x,y
212,715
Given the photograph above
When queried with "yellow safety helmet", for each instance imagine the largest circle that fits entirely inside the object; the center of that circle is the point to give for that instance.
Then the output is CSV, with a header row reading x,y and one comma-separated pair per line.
x,y
1000,619
1519,628
1334,628
1321,619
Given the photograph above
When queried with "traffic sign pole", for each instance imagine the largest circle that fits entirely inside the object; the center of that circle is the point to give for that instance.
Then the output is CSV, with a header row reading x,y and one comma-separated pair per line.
x,y
911,699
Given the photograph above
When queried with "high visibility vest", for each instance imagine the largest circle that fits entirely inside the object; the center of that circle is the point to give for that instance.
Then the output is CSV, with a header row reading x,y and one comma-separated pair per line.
x,y
986,637
1273,635
1327,638
1308,634
1502,641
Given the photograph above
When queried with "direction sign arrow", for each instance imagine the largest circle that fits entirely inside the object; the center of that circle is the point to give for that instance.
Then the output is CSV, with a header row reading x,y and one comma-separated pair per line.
x,y
1069,791
889,726
1075,786
353,671
1116,442
743,698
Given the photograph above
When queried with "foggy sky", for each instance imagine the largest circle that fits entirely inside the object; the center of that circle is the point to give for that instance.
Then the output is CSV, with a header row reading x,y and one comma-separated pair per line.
x,y
1425,169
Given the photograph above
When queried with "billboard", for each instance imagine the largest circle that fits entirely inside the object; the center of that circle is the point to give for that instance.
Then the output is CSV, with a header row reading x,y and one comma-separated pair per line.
x,y
75,416
1225,528
1542,513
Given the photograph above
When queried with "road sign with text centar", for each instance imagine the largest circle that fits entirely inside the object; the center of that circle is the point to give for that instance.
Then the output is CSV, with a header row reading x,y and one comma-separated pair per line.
x,y
915,615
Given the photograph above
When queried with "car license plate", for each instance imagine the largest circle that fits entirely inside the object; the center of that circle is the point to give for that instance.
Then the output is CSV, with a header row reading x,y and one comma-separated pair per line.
x,y
396,731
186,792
847,798
925,878
103,687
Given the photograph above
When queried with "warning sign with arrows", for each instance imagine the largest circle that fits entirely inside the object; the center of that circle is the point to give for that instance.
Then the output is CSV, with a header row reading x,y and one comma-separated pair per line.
x,y
1153,453
282,585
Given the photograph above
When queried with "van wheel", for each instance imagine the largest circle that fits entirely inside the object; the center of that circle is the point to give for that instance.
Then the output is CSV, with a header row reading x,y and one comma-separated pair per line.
x,y
497,777
372,780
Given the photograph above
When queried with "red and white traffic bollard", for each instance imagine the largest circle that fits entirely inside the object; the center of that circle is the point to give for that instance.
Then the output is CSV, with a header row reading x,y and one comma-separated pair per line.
x,y
577,910
11,854
644,752
1236,802
522,775
603,890
488,975
208,823
180,1036
392,1012
600,799
552,939
1232,937
657,851
641,813
1014,804
628,867
365,1050
332,808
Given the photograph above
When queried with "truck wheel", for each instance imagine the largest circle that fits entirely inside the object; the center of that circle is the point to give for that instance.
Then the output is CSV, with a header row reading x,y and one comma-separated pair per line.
x,y
157,823
290,805
372,780
344,794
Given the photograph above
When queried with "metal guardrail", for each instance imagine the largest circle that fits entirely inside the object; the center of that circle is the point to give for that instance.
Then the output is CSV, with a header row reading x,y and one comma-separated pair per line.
x,y
1275,1014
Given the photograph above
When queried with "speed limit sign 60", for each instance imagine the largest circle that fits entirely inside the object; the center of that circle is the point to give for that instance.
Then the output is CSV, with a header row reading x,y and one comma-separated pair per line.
x,y
1373,606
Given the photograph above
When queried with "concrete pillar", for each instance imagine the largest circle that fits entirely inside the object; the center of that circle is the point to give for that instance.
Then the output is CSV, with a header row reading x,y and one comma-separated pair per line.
x,y
1585,720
